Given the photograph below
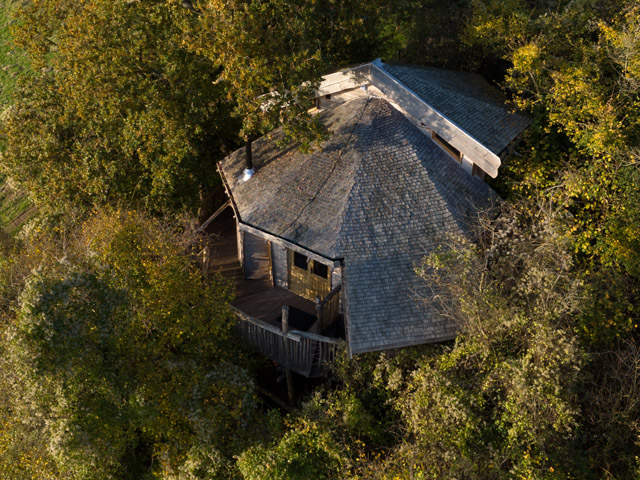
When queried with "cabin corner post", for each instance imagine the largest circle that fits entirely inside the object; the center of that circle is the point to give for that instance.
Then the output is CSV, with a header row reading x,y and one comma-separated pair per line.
x,y
319,312
240,246
285,340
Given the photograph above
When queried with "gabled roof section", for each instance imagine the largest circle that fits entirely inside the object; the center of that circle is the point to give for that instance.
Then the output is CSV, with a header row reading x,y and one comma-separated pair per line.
x,y
467,100
380,195
461,107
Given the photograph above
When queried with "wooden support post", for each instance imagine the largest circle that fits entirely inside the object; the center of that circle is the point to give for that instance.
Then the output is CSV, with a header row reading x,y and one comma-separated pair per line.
x,y
285,318
206,261
287,372
319,313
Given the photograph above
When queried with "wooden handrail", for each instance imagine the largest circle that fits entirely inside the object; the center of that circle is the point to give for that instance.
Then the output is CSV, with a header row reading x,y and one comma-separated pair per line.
x,y
206,223
303,352
294,335
318,338
256,321
291,334
331,294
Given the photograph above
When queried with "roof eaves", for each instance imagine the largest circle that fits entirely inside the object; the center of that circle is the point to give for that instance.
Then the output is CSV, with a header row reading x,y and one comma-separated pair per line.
x,y
390,346
295,246
227,189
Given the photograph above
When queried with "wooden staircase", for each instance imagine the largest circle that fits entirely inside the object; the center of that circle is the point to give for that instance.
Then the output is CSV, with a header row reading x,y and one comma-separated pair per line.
x,y
223,253
223,247
224,261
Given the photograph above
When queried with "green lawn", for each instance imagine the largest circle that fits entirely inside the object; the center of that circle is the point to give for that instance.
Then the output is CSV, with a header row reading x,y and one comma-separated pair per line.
x,y
15,208
12,62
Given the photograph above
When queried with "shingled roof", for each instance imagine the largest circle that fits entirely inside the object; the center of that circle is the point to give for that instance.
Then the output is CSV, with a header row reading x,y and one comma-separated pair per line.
x,y
461,107
379,196
467,100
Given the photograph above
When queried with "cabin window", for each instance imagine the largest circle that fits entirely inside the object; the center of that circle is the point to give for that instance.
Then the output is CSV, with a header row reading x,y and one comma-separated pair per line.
x,y
447,147
300,260
308,278
320,270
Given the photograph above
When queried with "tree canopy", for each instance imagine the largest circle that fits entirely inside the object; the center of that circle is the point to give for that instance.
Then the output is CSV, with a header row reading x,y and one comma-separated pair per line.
x,y
117,358
115,350
118,110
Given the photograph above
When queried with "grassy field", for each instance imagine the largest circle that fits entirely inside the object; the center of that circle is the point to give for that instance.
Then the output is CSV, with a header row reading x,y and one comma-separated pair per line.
x,y
12,62
15,208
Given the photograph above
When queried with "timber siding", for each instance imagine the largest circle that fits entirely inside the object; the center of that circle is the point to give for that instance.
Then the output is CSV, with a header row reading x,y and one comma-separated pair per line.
x,y
279,257
257,263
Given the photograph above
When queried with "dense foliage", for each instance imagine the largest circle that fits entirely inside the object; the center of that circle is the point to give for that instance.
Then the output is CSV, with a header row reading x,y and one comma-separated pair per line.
x,y
118,109
132,102
115,351
116,357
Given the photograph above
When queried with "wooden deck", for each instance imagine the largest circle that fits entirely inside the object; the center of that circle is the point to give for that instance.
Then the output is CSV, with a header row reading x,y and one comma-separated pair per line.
x,y
257,298
258,306
267,305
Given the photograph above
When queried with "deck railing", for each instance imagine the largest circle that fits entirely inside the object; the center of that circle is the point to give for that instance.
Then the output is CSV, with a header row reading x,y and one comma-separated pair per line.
x,y
305,353
213,201
327,310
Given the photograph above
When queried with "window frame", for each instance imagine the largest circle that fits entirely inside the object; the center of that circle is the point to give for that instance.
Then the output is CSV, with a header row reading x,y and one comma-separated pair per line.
x,y
447,147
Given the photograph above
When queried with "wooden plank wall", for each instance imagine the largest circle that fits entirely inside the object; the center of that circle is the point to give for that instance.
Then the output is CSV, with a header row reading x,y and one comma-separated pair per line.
x,y
279,258
257,265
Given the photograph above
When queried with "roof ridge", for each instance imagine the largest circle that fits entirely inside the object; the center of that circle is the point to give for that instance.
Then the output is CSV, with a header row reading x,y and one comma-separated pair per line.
x,y
333,168
464,104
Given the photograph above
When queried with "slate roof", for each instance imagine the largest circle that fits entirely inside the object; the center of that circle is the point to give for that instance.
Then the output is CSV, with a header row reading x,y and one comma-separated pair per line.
x,y
379,195
466,99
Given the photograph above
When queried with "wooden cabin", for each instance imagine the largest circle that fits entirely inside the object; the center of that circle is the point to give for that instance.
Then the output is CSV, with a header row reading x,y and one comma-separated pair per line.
x,y
325,244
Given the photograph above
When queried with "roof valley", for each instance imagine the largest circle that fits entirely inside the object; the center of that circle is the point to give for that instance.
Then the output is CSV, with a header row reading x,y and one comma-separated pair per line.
x,y
341,157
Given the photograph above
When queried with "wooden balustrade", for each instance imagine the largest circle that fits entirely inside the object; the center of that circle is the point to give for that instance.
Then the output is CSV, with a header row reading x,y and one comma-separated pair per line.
x,y
213,205
305,353
327,310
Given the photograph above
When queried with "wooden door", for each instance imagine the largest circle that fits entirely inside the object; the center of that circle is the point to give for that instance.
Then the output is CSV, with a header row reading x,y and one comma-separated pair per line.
x,y
308,278
257,261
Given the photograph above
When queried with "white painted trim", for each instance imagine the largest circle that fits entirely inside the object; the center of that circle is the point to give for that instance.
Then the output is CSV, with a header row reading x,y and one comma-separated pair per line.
x,y
345,80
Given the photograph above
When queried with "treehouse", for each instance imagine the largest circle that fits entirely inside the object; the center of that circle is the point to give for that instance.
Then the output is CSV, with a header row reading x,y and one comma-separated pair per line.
x,y
324,245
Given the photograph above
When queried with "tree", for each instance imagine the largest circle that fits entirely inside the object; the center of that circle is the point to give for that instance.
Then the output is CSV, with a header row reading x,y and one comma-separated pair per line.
x,y
502,401
117,111
574,65
272,53
304,451
119,354
132,101
270,60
